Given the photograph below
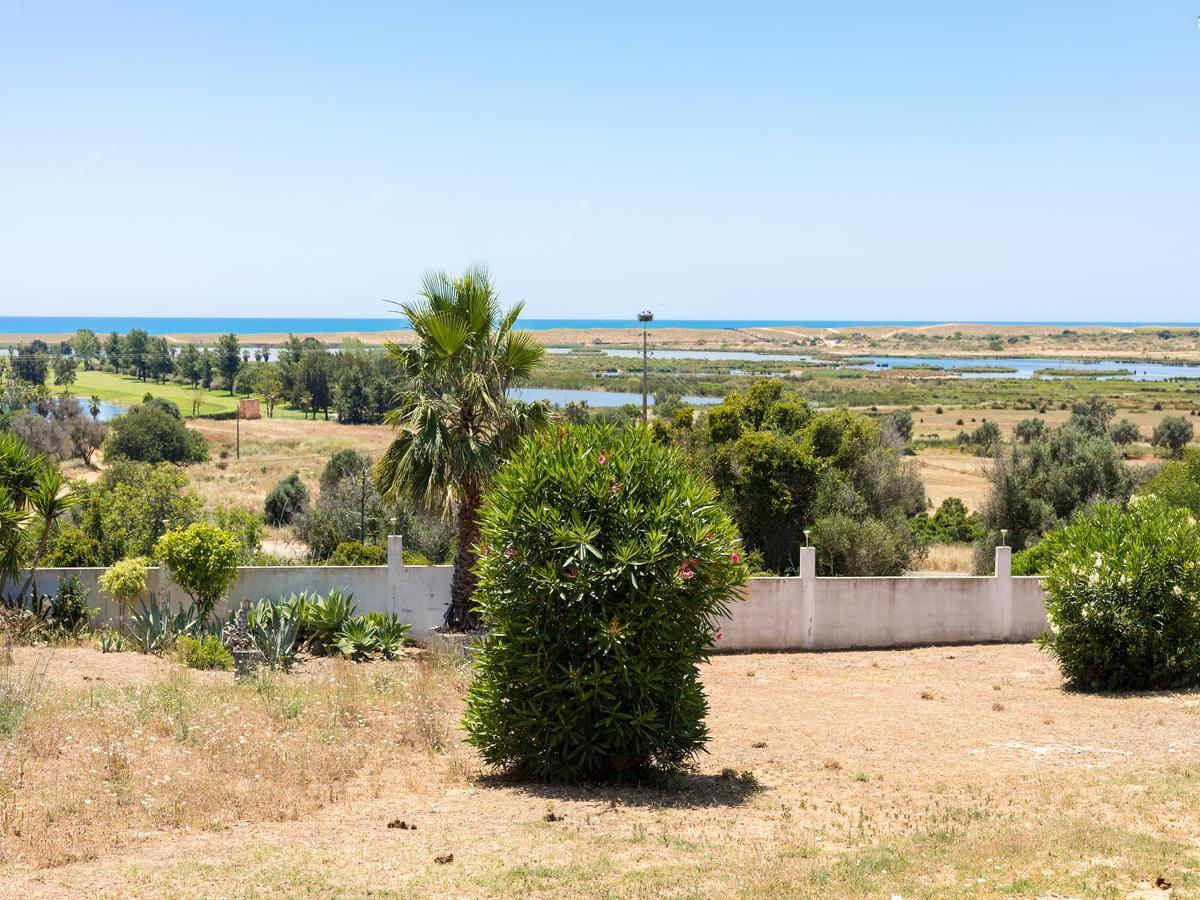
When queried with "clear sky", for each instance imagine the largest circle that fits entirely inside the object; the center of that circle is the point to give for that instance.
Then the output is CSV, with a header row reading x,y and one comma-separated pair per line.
x,y
876,160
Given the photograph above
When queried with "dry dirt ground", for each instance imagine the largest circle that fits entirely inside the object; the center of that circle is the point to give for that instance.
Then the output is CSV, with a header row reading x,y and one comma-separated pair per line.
x,y
952,771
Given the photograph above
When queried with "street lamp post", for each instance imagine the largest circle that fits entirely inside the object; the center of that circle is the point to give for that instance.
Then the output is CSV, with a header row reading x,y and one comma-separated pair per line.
x,y
645,317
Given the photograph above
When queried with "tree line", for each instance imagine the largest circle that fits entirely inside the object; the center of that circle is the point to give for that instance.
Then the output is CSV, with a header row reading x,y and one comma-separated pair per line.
x,y
355,383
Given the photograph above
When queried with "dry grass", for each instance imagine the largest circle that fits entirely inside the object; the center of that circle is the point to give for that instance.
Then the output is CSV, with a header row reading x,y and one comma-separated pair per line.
x,y
949,474
935,772
271,450
952,558
148,746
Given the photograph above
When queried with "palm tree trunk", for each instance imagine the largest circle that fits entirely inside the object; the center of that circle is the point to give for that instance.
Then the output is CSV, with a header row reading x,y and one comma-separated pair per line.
x,y
463,614
43,539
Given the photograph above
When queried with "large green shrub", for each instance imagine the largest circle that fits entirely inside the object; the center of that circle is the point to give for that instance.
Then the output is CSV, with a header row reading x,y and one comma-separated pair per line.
x,y
604,565
132,506
1123,597
203,560
1041,482
1173,433
287,500
780,467
1178,481
154,432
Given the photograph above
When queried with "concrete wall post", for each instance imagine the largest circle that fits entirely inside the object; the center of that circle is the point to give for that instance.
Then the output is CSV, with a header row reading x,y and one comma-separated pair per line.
x,y
808,597
1004,591
395,576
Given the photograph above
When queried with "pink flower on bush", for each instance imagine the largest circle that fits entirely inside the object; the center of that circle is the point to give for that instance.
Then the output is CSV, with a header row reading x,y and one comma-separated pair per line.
x,y
719,635
602,459
735,557
616,487
685,573
708,536
510,552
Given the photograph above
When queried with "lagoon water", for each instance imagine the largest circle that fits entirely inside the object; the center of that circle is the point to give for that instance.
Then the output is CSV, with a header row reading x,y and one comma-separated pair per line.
x,y
1022,367
561,396
556,396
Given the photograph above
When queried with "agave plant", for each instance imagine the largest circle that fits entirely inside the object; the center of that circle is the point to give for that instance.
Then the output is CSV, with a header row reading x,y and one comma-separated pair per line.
x,y
154,628
275,627
358,638
390,632
111,642
325,616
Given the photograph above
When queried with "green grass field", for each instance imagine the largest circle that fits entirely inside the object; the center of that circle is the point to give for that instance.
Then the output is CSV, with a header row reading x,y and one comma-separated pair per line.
x,y
126,391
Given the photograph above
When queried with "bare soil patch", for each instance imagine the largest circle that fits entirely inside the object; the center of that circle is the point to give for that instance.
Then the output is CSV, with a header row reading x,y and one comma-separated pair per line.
x,y
964,771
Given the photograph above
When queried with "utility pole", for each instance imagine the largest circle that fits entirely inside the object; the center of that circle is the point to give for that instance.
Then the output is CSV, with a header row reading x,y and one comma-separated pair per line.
x,y
237,419
362,506
645,317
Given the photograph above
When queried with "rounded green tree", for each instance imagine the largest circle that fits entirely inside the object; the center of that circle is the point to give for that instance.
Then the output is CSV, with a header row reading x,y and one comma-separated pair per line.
x,y
1123,597
203,560
604,567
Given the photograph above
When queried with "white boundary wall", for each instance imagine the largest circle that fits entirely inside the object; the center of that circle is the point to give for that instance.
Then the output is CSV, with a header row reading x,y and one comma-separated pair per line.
x,y
798,613
811,613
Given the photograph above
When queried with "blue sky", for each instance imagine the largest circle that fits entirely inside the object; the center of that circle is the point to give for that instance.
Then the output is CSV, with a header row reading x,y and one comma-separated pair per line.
x,y
874,160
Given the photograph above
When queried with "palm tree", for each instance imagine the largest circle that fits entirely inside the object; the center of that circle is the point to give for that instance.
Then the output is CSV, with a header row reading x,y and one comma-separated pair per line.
x,y
32,494
454,421
94,402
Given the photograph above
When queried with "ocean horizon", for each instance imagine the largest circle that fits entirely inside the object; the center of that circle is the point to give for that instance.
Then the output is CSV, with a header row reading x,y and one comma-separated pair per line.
x,y
162,325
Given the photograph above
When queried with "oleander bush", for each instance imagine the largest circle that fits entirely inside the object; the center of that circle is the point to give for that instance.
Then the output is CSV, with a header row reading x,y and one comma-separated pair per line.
x,y
1123,597
604,567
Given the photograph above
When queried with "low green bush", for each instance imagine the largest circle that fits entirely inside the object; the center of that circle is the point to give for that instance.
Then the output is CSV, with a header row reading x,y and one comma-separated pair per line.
x,y
868,548
125,581
950,523
354,553
1036,560
69,611
205,652
1123,598
604,567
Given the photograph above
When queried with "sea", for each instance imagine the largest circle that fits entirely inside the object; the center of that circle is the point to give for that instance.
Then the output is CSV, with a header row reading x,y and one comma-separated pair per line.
x,y
17,325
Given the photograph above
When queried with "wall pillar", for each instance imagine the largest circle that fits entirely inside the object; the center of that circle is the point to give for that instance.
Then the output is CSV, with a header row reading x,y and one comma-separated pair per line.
x,y
395,576
158,583
808,595
1003,591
